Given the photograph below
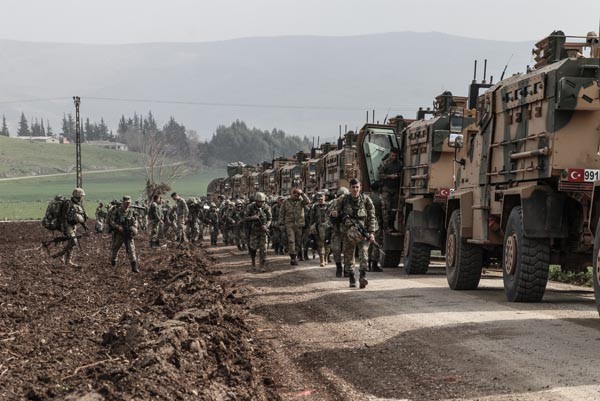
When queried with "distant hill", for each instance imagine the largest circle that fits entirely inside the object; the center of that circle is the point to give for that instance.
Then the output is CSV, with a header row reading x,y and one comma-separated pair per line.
x,y
393,72
23,158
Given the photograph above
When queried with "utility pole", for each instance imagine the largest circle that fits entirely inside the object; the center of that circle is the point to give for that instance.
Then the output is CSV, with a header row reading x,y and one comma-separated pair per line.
x,y
77,101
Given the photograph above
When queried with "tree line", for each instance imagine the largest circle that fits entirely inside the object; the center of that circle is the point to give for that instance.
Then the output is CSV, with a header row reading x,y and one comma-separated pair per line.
x,y
236,142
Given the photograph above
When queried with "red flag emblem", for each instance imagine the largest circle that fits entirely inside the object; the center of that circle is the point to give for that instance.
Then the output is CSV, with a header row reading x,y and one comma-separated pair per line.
x,y
576,175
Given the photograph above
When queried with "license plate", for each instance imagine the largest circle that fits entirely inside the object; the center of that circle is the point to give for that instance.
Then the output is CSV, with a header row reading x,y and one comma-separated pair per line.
x,y
583,175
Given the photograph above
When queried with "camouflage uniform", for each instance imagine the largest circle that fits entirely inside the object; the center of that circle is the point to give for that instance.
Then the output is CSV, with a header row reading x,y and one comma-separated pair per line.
x,y
291,215
336,234
194,218
258,229
72,214
227,223
155,216
374,253
124,224
212,219
182,214
275,232
101,214
319,224
361,209
389,173
236,216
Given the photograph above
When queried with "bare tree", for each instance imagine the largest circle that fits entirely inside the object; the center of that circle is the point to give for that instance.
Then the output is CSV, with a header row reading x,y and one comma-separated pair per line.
x,y
162,164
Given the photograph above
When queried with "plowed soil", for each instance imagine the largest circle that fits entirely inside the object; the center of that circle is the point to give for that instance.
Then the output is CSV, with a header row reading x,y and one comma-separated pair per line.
x,y
175,331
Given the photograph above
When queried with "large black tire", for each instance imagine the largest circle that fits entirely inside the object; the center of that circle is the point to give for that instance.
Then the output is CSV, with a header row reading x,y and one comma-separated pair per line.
x,y
392,259
416,256
463,261
596,264
525,262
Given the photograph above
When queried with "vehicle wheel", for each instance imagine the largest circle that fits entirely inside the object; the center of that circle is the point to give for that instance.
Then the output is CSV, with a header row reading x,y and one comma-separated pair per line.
x,y
596,264
416,256
392,258
463,261
525,262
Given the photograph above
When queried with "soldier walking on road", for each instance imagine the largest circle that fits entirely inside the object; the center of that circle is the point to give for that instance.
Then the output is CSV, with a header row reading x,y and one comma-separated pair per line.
x,y
258,216
291,216
212,219
182,214
155,216
336,232
124,224
357,212
71,214
319,223
389,174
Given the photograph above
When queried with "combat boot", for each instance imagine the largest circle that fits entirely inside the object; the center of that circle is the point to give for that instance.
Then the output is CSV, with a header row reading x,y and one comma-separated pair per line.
x,y
352,280
306,255
134,267
338,270
322,261
362,280
261,266
293,260
69,261
375,267
300,257
113,263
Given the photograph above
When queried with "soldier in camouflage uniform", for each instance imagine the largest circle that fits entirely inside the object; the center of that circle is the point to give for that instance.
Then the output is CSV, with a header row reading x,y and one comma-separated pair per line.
x,y
389,174
101,214
182,214
124,224
319,223
291,216
212,219
236,215
374,253
336,232
155,216
227,223
194,216
71,214
277,237
359,208
258,216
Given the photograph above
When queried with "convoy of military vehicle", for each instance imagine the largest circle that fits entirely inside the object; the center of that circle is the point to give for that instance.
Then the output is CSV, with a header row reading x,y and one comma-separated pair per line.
x,y
509,174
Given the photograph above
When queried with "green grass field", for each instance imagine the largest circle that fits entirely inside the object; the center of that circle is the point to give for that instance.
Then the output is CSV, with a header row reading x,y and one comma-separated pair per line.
x,y
21,157
27,198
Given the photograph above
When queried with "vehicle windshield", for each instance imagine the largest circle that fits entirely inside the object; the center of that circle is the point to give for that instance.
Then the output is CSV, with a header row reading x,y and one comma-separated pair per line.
x,y
376,147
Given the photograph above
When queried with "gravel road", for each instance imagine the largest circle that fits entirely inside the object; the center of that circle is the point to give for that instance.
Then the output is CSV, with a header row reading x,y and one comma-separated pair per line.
x,y
411,338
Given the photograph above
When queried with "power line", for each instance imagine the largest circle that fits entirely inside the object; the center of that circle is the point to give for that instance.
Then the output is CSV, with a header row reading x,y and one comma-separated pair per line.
x,y
216,104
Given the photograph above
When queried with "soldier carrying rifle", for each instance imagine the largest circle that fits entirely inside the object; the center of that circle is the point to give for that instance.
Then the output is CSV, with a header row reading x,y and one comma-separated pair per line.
x,y
124,225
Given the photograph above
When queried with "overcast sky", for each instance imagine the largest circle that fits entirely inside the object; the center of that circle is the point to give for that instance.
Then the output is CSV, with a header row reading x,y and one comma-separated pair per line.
x,y
134,21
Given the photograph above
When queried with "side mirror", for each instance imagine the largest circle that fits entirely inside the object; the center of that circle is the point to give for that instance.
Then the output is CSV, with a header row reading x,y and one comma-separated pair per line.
x,y
455,141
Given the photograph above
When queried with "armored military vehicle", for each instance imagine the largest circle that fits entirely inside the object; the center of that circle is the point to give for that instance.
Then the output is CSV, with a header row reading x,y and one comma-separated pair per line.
x,y
524,193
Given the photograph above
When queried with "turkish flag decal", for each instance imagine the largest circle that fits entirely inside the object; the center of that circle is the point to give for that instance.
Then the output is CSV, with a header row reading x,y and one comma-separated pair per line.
x,y
576,175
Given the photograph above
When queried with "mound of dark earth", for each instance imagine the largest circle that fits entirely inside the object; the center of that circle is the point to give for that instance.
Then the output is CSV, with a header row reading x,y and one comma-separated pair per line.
x,y
173,332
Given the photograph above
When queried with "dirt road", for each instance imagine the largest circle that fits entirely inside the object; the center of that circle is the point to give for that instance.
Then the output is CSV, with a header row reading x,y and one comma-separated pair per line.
x,y
411,338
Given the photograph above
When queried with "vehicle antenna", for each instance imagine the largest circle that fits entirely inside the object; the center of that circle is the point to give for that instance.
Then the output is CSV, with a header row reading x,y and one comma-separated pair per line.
x,y
506,66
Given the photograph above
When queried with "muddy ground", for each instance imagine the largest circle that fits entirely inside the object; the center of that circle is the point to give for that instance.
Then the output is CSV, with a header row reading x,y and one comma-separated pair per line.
x,y
176,331
196,325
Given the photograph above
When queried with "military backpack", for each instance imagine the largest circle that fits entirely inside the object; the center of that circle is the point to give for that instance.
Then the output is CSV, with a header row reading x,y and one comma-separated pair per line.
x,y
55,213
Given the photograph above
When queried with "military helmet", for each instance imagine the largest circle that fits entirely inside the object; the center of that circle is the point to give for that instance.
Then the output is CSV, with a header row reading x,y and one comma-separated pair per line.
x,y
213,204
260,197
319,195
78,193
127,199
342,191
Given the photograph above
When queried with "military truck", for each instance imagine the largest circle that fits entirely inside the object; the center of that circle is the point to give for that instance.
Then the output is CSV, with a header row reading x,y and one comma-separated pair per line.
x,y
524,193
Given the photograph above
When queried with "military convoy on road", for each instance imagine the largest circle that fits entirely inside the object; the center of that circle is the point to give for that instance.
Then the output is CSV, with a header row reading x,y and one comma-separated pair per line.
x,y
509,174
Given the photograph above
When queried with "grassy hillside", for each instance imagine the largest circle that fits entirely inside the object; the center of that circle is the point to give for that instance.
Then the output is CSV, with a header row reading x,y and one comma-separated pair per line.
x,y
20,157
27,198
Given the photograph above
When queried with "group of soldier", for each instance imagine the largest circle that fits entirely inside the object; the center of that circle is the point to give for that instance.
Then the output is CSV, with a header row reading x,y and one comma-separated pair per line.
x,y
343,225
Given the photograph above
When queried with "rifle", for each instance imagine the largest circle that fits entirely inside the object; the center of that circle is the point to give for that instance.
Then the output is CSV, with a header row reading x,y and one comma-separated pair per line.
x,y
362,230
257,218
58,240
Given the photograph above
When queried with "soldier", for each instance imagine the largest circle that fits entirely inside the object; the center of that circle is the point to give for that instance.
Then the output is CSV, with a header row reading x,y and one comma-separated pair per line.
x,y
374,253
319,223
195,212
141,213
277,236
124,224
357,213
291,216
227,223
336,232
258,216
155,216
101,214
236,217
389,174
182,214
212,219
72,214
